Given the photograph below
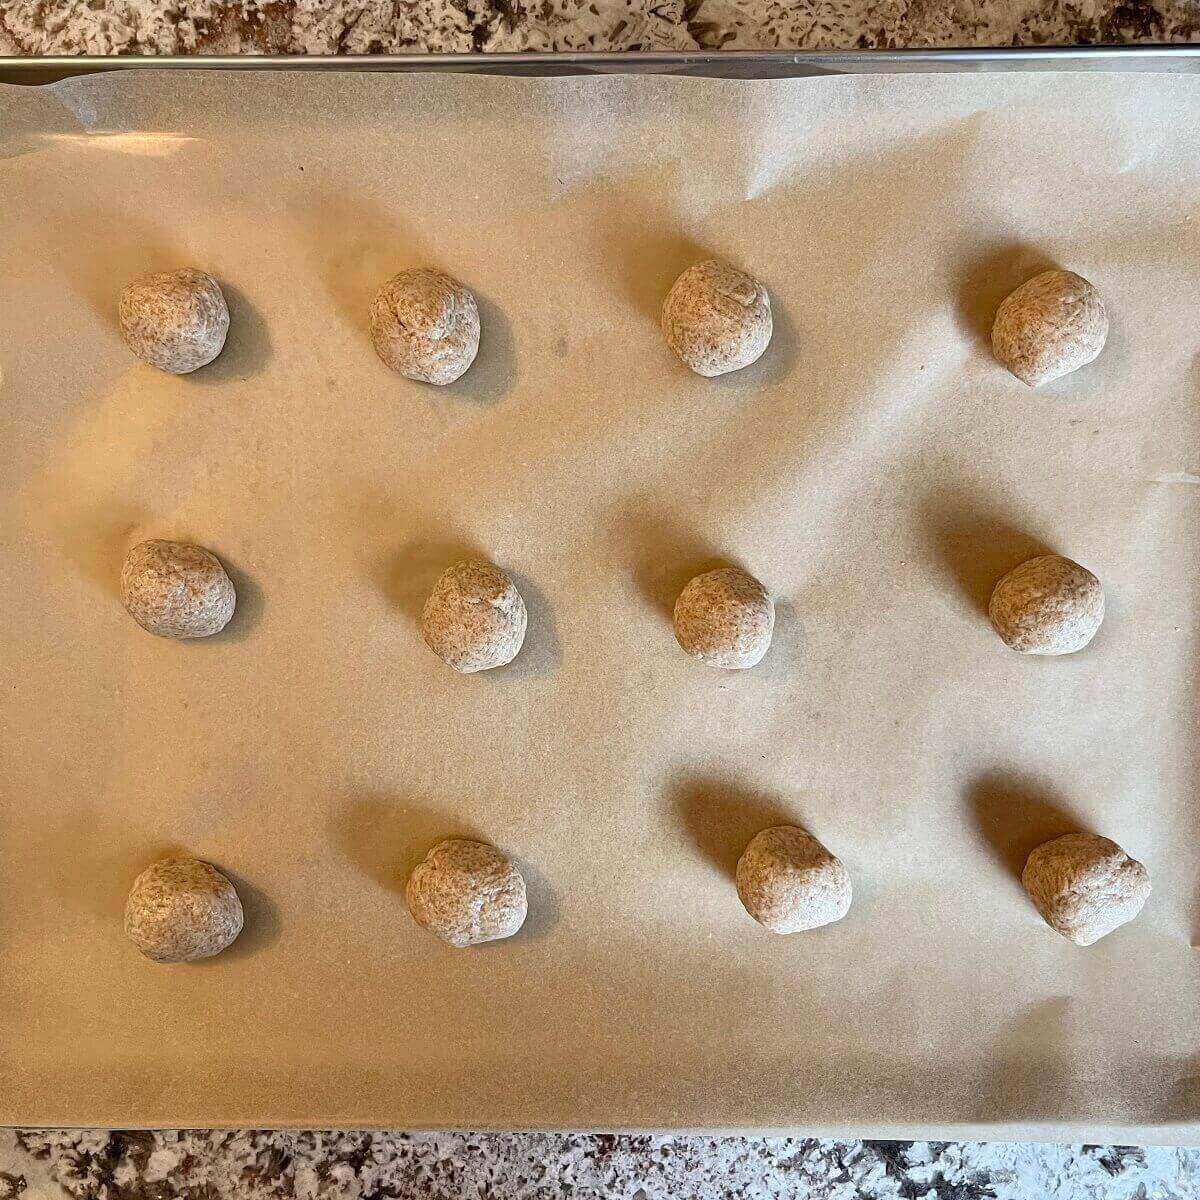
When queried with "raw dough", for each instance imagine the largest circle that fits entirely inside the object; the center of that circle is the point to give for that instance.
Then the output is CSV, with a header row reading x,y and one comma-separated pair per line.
x,y
467,892
725,618
175,590
1050,326
716,318
789,882
174,320
181,909
425,325
1047,605
474,618
1085,886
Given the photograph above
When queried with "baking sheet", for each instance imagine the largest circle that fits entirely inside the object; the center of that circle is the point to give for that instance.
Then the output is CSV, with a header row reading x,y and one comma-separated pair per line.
x,y
877,470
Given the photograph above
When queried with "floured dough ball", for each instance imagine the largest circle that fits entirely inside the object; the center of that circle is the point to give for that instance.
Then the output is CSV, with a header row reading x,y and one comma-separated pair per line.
x,y
175,590
725,618
174,320
1085,886
467,892
716,318
1050,326
182,909
789,882
1047,605
425,325
474,618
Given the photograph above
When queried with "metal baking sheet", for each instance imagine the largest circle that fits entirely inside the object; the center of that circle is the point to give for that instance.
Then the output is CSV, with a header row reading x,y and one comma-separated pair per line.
x,y
878,470
725,64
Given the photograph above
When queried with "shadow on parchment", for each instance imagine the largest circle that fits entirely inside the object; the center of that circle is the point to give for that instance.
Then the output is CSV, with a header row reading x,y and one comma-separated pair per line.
x,y
777,360
1181,1104
976,541
95,543
247,345
662,555
493,374
249,608
385,838
263,924
1015,813
358,246
543,912
987,278
1030,1075
633,220
719,816
92,883
110,249
541,652
406,575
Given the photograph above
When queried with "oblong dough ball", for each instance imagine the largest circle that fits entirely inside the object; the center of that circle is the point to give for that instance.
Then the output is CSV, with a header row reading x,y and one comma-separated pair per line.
x,y
789,882
1085,886
1050,326
175,590
467,892
725,618
474,618
182,909
1047,605
717,318
174,320
425,325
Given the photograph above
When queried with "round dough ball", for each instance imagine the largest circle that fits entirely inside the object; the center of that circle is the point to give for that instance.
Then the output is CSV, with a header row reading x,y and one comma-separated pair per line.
x,y
1047,605
467,892
174,320
182,909
425,325
1085,886
175,590
474,618
725,618
1050,326
716,318
789,882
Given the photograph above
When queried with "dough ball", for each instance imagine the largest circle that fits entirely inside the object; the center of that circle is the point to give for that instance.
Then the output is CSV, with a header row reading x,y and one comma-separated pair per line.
x,y
467,892
789,882
175,590
425,325
181,909
474,618
725,618
1047,605
1085,886
174,320
1050,326
716,318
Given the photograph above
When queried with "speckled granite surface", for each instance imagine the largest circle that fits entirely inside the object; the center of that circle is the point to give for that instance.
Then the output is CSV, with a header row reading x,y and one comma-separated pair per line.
x,y
397,26
333,1166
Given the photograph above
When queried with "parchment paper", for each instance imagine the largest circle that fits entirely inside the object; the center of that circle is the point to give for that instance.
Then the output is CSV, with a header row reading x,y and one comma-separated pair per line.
x,y
877,470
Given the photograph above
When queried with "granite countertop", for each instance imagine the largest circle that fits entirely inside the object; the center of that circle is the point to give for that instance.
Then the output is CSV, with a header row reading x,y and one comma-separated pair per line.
x,y
399,26
248,1165
197,1165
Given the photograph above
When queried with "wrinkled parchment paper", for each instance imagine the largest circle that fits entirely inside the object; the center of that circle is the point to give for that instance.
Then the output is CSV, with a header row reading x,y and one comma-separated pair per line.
x,y
877,470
